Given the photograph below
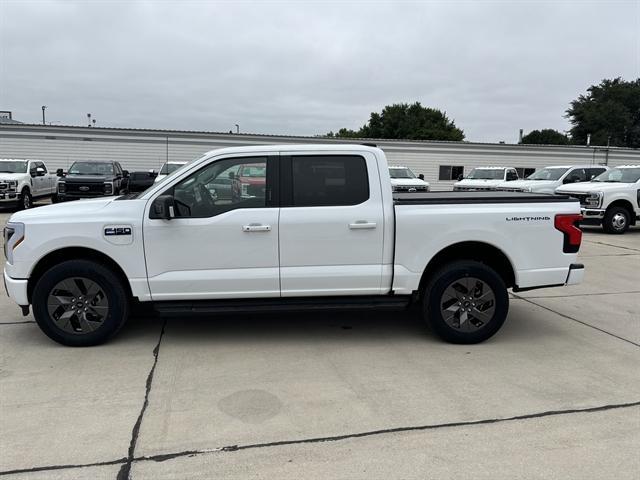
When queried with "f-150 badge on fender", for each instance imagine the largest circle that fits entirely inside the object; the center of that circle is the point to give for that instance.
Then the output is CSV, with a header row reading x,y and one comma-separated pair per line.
x,y
110,231
118,234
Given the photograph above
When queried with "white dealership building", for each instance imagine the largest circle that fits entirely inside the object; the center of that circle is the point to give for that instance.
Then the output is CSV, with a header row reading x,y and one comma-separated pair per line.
x,y
144,149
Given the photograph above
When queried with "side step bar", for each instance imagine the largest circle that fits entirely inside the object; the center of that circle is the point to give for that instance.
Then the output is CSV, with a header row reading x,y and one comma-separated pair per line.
x,y
287,304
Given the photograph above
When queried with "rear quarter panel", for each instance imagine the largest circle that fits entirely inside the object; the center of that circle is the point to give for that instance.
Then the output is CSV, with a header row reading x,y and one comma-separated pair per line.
x,y
533,246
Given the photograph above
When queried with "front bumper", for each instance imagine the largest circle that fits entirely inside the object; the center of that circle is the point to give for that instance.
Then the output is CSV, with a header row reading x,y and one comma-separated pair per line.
x,y
8,197
16,289
592,213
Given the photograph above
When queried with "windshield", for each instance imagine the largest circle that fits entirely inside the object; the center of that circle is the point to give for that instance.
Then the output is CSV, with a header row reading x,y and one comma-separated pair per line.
x,y
168,168
486,174
91,168
548,174
401,173
13,167
619,175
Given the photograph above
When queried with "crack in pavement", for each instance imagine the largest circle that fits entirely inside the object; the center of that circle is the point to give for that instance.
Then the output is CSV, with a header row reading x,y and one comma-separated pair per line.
x,y
125,470
612,245
576,320
234,448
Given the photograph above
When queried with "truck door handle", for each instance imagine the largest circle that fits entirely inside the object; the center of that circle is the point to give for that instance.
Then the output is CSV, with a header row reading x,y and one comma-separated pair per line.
x,y
256,227
362,225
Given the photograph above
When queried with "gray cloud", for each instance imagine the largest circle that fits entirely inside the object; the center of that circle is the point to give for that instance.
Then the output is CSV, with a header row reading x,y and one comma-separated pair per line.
x,y
310,67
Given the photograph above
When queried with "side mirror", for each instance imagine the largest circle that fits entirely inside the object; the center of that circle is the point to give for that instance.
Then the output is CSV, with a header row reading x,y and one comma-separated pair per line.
x,y
125,173
40,172
421,176
232,175
460,177
163,208
60,172
572,179
33,172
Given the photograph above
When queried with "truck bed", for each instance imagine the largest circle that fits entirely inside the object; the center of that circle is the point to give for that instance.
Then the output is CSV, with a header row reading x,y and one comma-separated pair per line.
x,y
446,198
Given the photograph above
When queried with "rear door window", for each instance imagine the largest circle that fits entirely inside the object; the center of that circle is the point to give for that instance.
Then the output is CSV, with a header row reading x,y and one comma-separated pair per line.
x,y
329,180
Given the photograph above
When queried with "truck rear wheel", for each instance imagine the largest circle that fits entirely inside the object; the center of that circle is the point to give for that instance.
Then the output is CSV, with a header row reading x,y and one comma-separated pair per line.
x,y
465,302
80,303
616,220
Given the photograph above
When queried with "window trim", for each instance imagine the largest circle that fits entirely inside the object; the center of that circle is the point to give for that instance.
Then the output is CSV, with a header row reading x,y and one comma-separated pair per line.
x,y
271,186
286,179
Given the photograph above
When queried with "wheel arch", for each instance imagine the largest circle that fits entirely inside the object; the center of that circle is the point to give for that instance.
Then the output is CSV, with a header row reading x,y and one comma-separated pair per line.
x,y
482,252
75,253
627,205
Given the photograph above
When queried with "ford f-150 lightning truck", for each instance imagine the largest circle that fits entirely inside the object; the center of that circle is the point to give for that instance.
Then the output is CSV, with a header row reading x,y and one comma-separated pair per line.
x,y
325,233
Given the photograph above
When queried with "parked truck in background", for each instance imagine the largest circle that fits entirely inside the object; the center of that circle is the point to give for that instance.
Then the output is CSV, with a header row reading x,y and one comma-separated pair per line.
x,y
485,179
547,179
403,180
91,179
612,199
24,180
326,232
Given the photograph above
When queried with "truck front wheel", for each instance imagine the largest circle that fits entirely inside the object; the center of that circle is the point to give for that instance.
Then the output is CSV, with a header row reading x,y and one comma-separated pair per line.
x,y
80,303
616,220
25,201
465,302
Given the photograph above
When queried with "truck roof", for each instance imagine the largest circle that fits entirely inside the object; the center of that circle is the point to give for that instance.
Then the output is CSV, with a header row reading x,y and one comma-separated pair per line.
x,y
295,147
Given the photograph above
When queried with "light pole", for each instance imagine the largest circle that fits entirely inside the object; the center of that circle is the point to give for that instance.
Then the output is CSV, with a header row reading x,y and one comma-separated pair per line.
x,y
89,119
43,109
237,128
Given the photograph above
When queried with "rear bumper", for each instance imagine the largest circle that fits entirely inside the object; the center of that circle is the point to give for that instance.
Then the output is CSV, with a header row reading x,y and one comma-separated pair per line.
x,y
576,274
16,289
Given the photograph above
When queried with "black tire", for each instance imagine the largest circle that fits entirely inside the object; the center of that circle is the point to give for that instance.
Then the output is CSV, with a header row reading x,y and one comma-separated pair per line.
x,y
109,286
616,220
483,319
26,200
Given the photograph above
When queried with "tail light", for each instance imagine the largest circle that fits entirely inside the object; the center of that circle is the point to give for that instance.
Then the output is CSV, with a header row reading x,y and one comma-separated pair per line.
x,y
568,225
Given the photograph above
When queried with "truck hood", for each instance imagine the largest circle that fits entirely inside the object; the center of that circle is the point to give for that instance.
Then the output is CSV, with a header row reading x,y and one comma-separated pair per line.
x,y
68,210
13,176
586,187
408,181
86,179
477,183
528,183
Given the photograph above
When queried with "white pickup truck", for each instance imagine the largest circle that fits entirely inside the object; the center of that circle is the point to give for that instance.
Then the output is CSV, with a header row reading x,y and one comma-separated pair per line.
x,y
22,181
325,232
485,179
547,179
612,199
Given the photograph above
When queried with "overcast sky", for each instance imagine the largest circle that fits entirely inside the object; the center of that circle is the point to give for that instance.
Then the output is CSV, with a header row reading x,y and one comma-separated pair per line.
x,y
306,68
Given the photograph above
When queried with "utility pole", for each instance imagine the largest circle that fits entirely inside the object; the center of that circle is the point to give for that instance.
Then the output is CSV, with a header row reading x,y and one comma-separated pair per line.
x,y
237,128
43,109
89,119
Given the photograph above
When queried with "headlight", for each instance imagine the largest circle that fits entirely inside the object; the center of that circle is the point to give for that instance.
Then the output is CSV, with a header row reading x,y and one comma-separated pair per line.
x,y
108,188
244,189
594,199
13,236
62,187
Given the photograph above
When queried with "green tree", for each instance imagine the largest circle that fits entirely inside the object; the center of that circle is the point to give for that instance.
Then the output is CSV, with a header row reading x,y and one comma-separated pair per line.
x,y
610,112
547,136
407,122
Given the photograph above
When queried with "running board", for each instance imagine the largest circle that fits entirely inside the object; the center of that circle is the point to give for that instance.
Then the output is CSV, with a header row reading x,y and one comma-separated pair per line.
x,y
288,304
